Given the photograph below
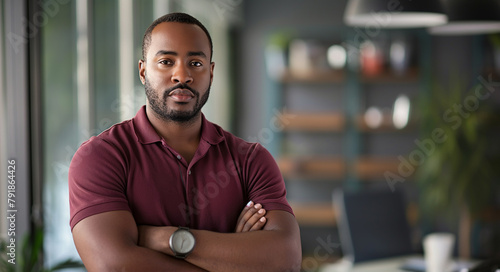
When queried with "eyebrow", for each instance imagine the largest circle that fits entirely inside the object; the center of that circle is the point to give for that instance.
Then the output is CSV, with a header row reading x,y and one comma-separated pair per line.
x,y
190,53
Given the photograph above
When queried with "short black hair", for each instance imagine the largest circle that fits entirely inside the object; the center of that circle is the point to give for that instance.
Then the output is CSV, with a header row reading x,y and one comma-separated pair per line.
x,y
176,17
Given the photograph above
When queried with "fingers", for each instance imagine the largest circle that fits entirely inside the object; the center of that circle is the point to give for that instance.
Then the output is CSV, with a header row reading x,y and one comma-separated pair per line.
x,y
256,218
249,205
251,218
260,222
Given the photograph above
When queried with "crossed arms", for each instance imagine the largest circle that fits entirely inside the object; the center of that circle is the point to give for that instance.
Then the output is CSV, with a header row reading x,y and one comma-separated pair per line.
x,y
262,241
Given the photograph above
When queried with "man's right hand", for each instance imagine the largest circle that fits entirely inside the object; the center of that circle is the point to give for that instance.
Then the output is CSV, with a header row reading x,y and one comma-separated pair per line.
x,y
251,218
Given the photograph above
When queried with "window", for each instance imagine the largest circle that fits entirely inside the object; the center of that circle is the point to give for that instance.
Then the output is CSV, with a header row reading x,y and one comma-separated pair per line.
x,y
90,81
3,129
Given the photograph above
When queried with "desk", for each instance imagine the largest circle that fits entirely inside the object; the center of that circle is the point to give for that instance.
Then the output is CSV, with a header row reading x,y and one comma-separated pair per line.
x,y
384,265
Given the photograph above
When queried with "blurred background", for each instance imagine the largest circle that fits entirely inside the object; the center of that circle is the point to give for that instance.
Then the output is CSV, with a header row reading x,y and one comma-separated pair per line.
x,y
343,103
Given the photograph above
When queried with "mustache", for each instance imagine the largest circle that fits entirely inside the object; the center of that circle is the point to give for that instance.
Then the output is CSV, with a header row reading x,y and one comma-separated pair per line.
x,y
181,86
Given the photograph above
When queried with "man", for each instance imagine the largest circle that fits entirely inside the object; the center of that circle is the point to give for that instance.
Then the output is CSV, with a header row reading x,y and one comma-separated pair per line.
x,y
170,191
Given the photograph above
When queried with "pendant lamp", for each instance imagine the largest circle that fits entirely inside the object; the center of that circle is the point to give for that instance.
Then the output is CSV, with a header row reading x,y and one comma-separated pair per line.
x,y
467,17
394,13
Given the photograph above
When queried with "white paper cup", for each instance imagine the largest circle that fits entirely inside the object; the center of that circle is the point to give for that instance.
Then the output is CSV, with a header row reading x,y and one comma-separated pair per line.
x,y
438,248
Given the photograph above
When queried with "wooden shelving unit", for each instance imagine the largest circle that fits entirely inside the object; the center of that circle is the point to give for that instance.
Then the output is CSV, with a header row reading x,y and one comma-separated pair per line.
x,y
313,122
315,214
314,77
312,168
347,161
319,168
390,77
374,168
386,125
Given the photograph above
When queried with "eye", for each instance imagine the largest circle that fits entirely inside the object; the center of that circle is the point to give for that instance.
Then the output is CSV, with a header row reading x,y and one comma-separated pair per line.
x,y
166,62
196,64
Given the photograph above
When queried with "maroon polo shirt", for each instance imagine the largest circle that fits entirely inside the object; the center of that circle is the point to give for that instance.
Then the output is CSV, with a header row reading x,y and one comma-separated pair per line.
x,y
130,167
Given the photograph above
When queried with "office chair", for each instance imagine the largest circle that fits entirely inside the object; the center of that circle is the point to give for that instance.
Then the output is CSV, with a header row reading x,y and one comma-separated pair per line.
x,y
372,224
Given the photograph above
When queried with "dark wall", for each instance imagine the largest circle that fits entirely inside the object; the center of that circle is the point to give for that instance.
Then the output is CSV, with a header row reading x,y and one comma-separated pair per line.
x,y
260,18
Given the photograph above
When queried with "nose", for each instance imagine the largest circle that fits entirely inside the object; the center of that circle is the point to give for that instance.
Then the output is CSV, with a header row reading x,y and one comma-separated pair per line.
x,y
181,74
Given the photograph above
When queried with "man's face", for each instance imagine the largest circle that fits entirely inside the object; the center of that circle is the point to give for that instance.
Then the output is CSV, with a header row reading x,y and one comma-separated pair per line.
x,y
177,72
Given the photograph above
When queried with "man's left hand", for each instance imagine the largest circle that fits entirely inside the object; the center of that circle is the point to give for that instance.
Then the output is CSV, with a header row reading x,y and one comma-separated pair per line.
x,y
251,218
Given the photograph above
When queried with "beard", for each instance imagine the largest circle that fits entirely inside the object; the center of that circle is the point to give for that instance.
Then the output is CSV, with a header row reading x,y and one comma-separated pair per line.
x,y
158,103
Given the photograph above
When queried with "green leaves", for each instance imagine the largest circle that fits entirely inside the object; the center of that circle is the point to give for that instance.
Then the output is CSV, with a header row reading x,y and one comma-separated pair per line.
x,y
461,170
29,257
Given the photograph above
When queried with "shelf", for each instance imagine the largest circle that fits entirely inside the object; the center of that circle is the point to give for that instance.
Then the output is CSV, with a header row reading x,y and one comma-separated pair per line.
x,y
312,168
387,76
366,168
314,214
339,76
373,168
313,122
315,77
386,125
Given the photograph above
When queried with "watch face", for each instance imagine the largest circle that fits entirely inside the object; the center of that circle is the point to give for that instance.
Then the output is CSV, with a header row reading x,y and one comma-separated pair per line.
x,y
183,241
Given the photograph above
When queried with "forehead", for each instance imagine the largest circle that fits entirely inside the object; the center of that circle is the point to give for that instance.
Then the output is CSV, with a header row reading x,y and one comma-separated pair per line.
x,y
178,37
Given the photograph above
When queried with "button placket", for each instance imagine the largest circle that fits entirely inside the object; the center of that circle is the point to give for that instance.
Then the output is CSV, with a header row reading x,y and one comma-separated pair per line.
x,y
188,175
190,194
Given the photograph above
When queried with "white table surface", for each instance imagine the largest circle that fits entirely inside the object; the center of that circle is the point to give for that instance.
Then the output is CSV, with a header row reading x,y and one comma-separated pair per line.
x,y
383,265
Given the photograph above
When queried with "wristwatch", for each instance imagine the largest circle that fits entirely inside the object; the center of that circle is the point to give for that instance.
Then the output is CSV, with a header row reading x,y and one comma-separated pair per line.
x,y
182,242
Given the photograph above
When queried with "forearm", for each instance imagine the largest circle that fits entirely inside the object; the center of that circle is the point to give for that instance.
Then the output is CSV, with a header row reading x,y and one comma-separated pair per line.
x,y
265,250
139,259
276,248
108,242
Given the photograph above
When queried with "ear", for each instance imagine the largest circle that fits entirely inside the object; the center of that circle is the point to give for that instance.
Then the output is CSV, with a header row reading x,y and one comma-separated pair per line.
x,y
212,66
142,71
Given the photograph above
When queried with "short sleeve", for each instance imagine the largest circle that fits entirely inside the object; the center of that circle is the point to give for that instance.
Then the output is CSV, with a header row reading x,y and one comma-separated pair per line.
x,y
265,182
97,180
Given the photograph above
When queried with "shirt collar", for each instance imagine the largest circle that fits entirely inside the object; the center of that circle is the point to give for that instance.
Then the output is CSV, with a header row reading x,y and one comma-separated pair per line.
x,y
146,134
144,131
210,132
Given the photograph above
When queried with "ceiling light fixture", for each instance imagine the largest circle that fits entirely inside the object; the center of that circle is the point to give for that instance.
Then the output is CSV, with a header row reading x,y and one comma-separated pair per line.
x,y
466,17
394,13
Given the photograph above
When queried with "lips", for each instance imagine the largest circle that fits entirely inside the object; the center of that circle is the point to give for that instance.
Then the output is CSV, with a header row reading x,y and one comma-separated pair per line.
x,y
181,95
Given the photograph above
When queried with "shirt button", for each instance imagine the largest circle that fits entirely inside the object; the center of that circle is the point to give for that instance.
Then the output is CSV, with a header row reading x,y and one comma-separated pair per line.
x,y
179,157
189,173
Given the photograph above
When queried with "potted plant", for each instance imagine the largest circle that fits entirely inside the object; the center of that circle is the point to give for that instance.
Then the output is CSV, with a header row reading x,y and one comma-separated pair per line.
x,y
460,176
30,256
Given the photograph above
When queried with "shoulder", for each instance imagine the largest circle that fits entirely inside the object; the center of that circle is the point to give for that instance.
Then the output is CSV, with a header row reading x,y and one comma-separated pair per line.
x,y
112,143
117,135
249,153
243,147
